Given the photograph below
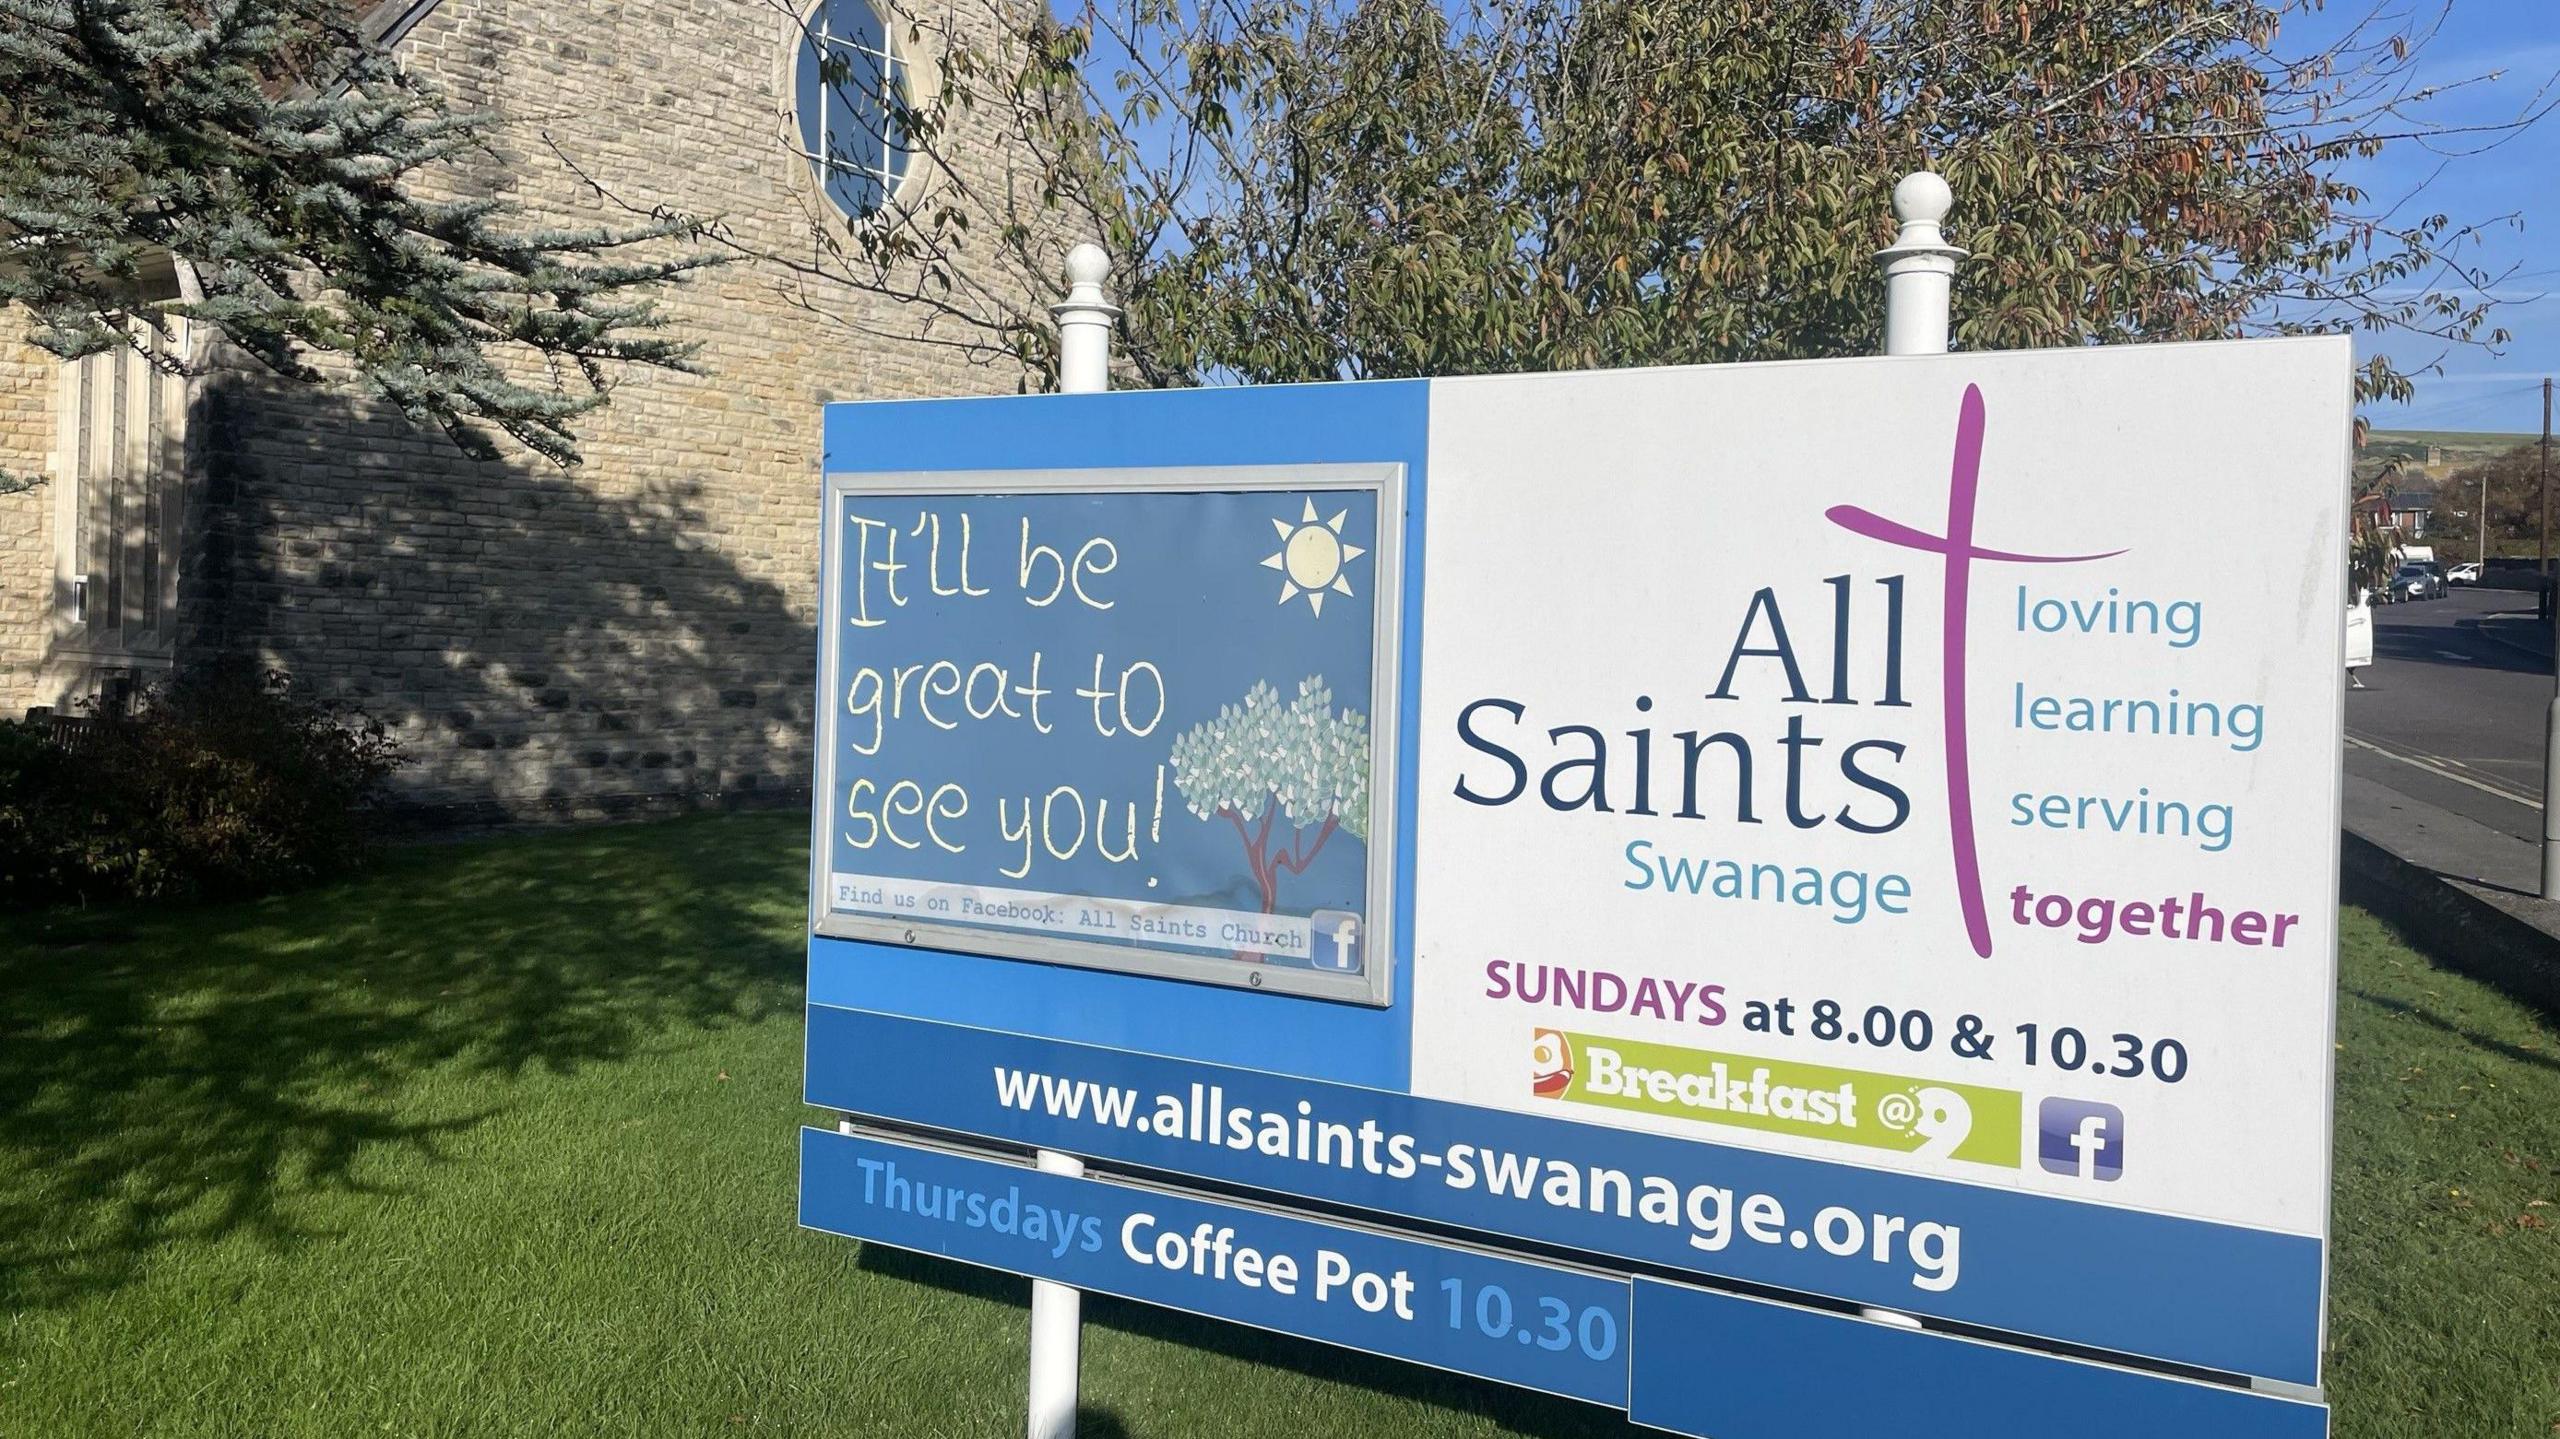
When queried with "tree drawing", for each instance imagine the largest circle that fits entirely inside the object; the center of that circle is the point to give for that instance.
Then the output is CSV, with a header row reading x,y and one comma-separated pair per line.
x,y
1276,772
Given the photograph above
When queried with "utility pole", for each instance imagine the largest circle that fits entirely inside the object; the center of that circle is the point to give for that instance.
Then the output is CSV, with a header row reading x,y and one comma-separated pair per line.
x,y
2551,718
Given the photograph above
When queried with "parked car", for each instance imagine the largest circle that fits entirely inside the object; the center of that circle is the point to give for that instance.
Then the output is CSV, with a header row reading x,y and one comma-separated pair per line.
x,y
2465,573
2417,582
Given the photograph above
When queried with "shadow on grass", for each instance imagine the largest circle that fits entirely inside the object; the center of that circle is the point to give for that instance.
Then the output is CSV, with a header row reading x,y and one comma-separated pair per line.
x,y
1523,1412
2474,1038
1092,1423
188,1076
2521,974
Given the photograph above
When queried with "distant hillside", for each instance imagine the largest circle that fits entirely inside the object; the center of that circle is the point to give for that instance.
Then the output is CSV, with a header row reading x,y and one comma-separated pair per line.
x,y
2429,455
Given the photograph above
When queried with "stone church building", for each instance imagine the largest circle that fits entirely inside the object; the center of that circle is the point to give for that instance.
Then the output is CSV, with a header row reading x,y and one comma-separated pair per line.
x,y
634,632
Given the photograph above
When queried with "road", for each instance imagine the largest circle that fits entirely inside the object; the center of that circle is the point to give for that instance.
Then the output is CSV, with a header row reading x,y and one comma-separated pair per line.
x,y
2453,716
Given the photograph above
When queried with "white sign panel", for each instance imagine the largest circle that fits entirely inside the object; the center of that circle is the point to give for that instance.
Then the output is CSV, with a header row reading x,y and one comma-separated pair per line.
x,y
1896,764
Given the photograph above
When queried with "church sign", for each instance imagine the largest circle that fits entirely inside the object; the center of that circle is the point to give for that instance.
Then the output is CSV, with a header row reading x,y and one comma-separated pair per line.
x,y
1664,887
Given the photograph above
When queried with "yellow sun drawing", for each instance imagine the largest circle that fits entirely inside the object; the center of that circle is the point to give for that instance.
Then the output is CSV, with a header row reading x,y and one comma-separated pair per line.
x,y
1311,558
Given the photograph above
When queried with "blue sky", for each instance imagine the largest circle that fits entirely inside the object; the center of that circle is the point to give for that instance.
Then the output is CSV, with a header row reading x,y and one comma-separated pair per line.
x,y
2462,177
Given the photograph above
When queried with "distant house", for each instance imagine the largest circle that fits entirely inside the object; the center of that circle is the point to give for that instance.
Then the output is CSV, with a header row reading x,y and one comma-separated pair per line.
x,y
543,641
2408,513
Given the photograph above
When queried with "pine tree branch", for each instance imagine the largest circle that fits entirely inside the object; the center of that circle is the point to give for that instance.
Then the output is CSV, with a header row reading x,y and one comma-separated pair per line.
x,y
294,167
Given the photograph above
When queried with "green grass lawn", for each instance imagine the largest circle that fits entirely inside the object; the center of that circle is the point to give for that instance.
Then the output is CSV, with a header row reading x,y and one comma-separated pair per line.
x,y
500,1140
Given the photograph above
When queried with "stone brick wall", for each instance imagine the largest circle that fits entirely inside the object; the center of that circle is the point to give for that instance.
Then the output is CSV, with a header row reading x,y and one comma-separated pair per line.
x,y
551,642
27,392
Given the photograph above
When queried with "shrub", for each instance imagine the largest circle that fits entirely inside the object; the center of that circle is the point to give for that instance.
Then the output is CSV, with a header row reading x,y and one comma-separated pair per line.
x,y
223,784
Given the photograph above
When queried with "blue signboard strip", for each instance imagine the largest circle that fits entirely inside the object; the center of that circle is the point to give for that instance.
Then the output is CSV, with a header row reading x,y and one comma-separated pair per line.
x,y
2109,1278
1260,425
1742,1368
1538,1326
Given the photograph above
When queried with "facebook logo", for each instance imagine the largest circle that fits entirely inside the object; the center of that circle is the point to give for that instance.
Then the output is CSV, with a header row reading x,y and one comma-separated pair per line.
x,y
2081,1138
1337,940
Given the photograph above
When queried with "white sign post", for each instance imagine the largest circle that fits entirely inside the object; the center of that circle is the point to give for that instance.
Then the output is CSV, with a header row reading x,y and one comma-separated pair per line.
x,y
1919,284
1920,268
1057,1311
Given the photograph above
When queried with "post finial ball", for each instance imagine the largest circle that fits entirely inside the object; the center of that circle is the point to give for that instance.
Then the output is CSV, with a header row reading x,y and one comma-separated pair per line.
x,y
1087,264
1922,198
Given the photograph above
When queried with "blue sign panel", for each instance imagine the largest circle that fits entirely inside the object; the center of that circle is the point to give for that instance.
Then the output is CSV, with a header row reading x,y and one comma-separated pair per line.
x,y
1534,1325
1969,1253
1741,1368
1120,720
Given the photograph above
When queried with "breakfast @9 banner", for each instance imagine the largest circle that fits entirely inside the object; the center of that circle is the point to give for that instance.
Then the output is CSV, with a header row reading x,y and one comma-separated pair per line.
x,y
1785,841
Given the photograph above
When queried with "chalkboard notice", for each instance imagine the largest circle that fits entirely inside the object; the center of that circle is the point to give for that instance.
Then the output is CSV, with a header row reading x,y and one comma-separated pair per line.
x,y
1118,719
